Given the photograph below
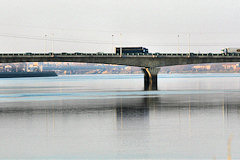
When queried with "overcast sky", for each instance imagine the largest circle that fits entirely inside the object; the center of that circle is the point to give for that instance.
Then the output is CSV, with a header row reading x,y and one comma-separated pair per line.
x,y
97,25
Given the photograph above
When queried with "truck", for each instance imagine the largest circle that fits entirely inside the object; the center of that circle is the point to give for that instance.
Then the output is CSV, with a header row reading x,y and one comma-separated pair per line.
x,y
131,50
231,51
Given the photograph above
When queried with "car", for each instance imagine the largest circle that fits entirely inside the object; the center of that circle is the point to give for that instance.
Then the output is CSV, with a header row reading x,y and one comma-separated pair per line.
x,y
28,53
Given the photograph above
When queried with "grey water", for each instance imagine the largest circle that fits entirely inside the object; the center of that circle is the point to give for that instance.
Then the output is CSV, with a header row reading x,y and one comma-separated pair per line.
x,y
190,116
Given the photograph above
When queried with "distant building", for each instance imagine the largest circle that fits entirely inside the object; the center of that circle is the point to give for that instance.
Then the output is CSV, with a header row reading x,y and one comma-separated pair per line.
x,y
230,66
202,67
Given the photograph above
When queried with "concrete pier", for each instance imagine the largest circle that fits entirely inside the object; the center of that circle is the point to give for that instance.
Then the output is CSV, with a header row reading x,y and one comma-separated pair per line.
x,y
150,78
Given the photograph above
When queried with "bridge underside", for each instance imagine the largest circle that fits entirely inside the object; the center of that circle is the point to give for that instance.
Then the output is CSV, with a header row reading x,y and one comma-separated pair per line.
x,y
149,64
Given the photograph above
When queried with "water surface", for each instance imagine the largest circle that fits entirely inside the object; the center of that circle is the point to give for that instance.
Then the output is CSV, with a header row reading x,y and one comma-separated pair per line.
x,y
191,116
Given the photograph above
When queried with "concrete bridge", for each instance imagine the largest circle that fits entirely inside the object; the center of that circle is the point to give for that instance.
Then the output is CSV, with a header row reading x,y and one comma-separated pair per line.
x,y
150,63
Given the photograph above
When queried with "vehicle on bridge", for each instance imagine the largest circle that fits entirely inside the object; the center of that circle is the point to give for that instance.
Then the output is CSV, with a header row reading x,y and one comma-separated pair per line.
x,y
29,53
231,51
132,50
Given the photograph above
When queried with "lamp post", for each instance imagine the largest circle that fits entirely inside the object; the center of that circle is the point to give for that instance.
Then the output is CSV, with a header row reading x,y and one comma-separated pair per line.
x,y
178,45
112,44
189,43
45,46
121,45
45,51
52,42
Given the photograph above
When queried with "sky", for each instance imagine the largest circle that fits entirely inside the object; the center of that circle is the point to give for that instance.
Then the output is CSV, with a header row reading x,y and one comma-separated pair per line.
x,y
101,25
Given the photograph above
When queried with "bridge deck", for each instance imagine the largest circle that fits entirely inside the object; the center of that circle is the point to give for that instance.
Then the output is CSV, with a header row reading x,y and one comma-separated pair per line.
x,y
150,60
117,55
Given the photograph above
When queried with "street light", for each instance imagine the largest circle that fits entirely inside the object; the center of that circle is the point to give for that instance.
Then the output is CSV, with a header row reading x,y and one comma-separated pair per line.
x,y
40,64
112,44
189,43
52,42
45,46
178,45
120,44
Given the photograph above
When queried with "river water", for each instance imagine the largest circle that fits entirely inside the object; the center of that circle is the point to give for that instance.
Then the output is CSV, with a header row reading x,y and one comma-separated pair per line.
x,y
191,116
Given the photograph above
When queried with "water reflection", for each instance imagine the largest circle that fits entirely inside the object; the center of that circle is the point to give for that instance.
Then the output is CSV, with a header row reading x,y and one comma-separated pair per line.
x,y
151,126
133,113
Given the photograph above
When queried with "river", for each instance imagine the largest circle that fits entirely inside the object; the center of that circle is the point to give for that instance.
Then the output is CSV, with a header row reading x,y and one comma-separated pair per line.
x,y
190,116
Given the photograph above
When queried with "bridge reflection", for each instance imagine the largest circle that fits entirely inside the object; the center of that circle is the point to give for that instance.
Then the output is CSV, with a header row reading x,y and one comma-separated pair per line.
x,y
136,113
133,113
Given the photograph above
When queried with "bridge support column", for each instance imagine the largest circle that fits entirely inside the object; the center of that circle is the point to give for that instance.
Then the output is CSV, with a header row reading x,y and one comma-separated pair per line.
x,y
150,78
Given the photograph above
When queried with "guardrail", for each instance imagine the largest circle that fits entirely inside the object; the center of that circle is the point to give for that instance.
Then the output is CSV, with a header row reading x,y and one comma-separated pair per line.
x,y
64,54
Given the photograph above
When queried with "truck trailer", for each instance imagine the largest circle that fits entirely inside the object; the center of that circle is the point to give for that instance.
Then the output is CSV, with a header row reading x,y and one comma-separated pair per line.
x,y
231,51
131,50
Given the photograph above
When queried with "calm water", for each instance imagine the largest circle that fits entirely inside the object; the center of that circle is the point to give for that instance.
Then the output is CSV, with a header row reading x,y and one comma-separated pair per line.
x,y
192,116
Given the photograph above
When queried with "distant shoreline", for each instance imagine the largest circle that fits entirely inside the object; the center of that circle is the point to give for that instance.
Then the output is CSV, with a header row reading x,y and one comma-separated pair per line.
x,y
27,74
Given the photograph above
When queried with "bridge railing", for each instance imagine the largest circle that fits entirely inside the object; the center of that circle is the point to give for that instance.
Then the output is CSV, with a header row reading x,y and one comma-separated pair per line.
x,y
101,54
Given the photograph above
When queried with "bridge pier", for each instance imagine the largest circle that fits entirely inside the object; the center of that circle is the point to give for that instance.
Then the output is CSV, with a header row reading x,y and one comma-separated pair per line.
x,y
150,78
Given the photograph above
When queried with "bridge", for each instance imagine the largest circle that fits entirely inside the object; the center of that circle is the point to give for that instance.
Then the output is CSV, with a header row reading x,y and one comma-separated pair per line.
x,y
150,63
